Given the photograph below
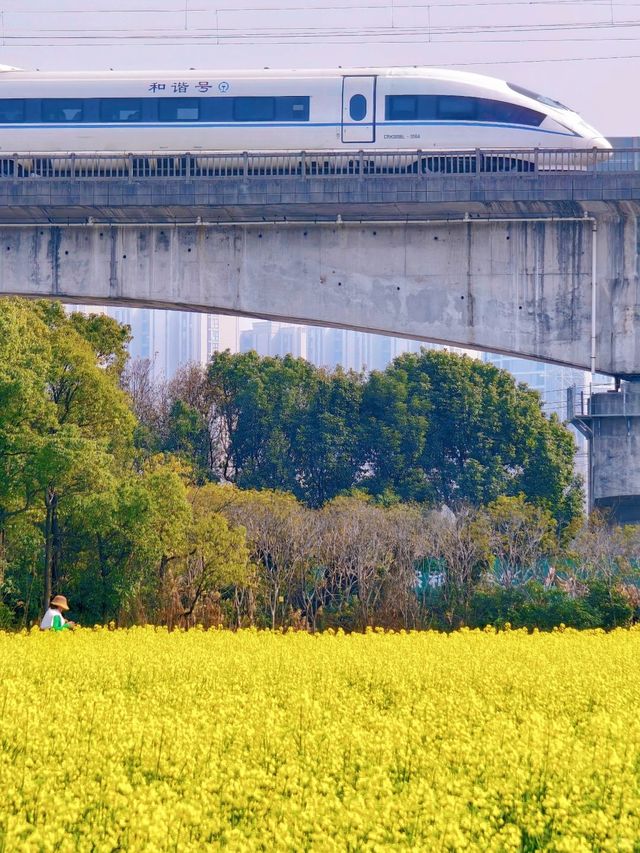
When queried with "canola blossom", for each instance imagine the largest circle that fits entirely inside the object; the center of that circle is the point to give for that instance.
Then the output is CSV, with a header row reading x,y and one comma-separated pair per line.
x,y
144,740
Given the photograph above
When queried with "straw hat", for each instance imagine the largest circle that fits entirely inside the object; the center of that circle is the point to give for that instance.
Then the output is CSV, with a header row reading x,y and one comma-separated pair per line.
x,y
60,601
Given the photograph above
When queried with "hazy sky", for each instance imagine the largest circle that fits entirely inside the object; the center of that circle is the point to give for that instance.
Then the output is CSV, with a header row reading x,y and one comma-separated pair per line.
x,y
585,53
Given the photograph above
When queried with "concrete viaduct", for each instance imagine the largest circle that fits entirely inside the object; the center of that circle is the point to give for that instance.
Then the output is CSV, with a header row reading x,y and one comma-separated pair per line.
x,y
542,264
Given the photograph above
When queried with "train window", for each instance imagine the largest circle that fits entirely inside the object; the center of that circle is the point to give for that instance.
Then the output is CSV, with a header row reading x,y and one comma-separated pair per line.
x,y
401,107
11,110
253,109
506,113
58,110
411,107
178,109
542,99
216,109
456,107
61,110
357,107
427,107
120,109
292,109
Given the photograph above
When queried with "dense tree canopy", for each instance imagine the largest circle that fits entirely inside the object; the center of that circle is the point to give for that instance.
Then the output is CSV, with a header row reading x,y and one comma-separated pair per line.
x,y
455,430
433,427
265,423
79,506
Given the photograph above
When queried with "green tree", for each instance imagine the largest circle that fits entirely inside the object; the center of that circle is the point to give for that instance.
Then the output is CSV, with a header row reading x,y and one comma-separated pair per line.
x,y
92,434
520,535
281,423
65,427
217,556
456,430
188,437
112,546
395,422
26,413
66,465
107,337
326,437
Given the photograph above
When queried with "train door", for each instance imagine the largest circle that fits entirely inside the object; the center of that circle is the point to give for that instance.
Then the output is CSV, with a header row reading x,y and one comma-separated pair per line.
x,y
358,109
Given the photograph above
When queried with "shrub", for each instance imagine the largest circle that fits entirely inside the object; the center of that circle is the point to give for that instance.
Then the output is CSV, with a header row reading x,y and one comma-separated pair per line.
x,y
533,606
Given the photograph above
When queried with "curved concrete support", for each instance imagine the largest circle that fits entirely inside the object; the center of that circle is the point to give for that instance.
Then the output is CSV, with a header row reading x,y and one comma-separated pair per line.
x,y
525,287
519,287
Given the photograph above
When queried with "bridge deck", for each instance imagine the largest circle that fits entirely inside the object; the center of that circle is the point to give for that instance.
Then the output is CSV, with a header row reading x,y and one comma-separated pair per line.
x,y
263,187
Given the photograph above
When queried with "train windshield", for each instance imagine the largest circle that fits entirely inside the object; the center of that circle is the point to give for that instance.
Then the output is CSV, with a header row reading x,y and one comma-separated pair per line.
x,y
540,98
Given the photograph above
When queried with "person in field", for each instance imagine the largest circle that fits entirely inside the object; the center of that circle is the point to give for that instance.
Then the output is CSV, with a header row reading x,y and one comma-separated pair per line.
x,y
53,620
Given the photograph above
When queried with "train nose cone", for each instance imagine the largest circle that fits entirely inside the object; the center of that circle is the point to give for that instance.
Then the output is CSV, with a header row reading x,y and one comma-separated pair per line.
x,y
600,142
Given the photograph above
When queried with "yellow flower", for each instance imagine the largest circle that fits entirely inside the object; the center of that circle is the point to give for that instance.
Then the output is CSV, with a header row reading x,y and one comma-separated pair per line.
x,y
150,740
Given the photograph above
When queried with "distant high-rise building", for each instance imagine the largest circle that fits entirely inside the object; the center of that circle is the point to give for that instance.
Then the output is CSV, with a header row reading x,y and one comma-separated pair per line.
x,y
170,339
276,339
328,347
223,333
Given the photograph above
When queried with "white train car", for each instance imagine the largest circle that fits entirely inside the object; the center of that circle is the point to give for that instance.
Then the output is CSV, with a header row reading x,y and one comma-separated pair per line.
x,y
277,111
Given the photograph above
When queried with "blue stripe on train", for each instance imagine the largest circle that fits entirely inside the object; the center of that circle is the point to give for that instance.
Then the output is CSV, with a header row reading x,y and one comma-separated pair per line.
x,y
200,124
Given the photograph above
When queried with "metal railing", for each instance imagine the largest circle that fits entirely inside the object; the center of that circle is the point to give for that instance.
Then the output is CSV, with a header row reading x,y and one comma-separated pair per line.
x,y
579,398
305,164
594,401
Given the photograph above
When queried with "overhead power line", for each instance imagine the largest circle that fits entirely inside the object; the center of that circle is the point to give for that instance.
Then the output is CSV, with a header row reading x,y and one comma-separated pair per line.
x,y
540,61
320,33
340,7
181,34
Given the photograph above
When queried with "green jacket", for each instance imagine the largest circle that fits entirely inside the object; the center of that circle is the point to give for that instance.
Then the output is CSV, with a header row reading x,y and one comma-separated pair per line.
x,y
58,624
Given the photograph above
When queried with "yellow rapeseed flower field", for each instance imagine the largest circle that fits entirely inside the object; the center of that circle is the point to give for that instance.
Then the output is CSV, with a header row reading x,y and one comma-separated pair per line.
x,y
144,740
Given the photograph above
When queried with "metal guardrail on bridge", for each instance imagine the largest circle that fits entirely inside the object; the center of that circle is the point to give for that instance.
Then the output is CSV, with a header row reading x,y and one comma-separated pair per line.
x,y
599,402
410,164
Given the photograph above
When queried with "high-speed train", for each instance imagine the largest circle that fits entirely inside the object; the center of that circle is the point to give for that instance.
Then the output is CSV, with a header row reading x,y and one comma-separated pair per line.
x,y
379,109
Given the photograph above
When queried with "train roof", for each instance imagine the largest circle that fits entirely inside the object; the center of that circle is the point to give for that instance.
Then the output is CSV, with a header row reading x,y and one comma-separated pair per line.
x,y
395,71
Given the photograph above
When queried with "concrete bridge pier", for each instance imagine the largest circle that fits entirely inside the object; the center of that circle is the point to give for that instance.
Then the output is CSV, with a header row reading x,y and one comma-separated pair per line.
x,y
611,422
